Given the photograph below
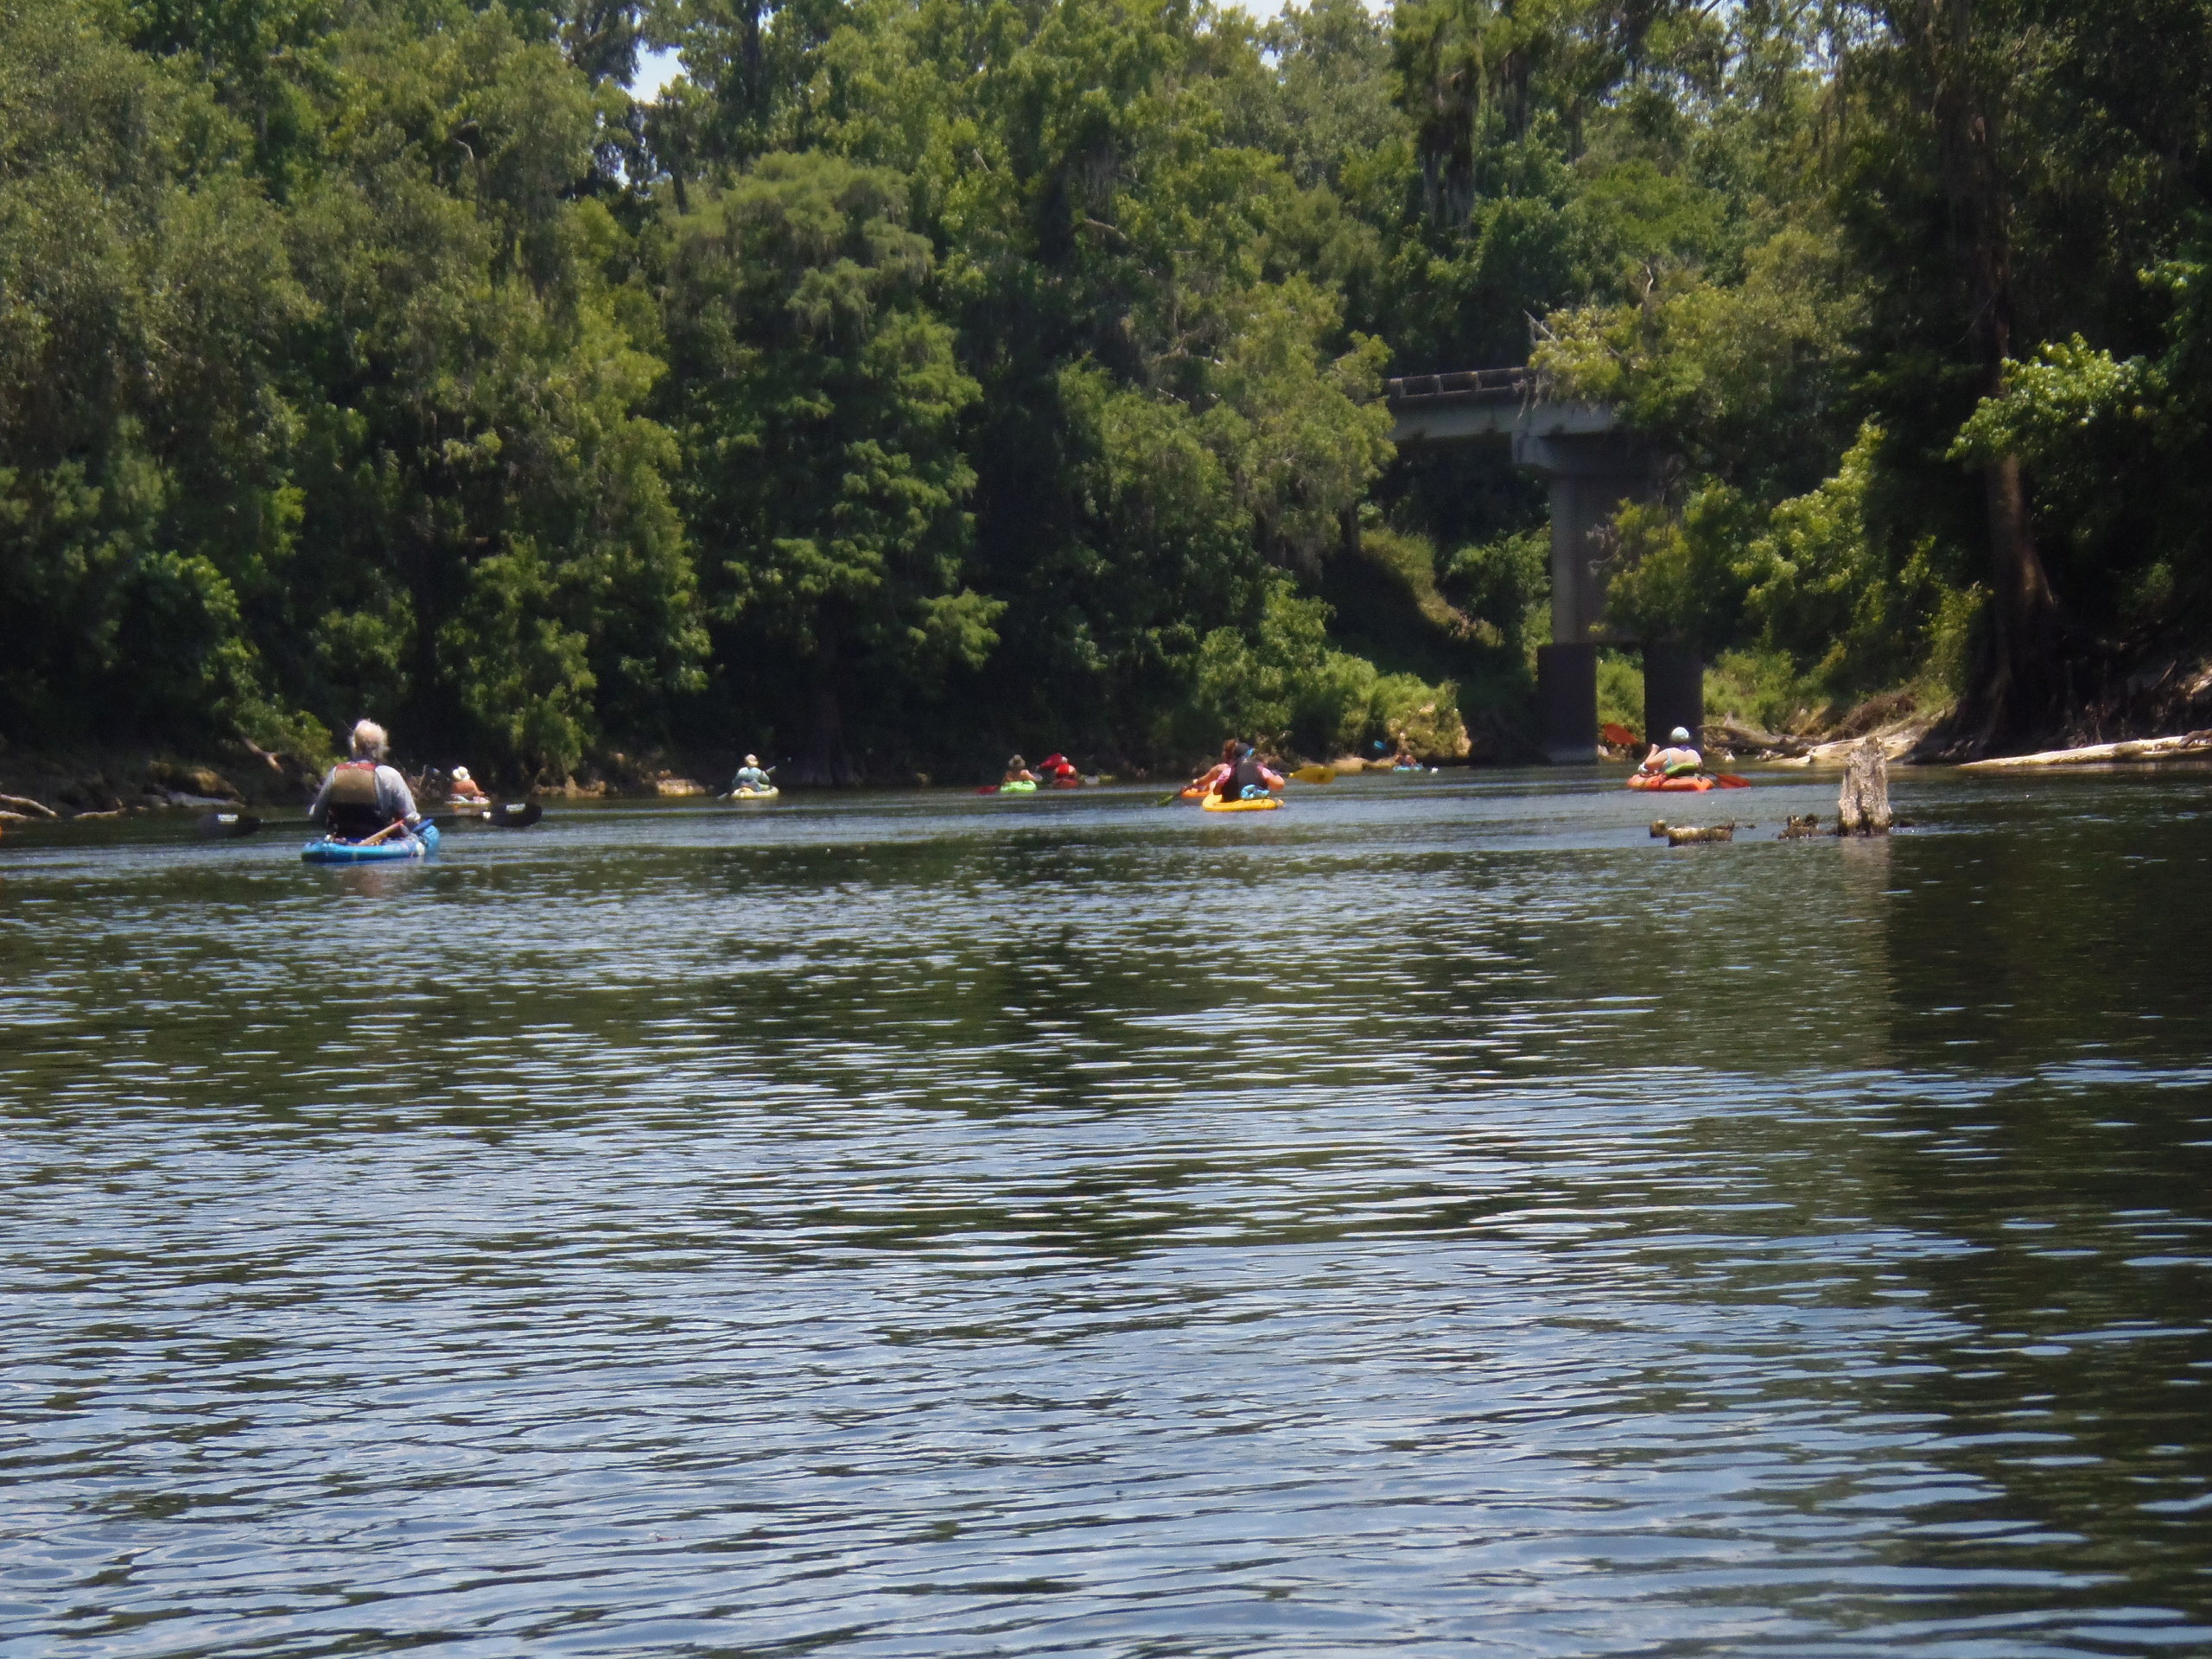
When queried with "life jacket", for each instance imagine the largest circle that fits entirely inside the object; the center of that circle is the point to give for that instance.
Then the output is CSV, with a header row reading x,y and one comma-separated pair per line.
x,y
350,810
1244,775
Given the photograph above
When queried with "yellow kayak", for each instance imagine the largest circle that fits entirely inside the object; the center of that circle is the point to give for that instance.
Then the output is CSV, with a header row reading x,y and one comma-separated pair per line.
x,y
1214,803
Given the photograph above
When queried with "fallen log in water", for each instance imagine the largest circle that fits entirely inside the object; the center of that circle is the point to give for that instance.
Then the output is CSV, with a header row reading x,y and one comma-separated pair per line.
x,y
1686,834
2147,748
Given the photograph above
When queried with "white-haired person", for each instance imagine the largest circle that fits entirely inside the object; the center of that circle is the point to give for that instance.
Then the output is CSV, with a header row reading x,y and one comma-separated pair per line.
x,y
362,797
463,789
1678,760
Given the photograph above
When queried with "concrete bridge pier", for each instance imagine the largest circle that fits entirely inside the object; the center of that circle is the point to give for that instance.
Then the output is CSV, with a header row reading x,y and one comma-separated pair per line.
x,y
1590,474
1674,690
1567,702
1591,465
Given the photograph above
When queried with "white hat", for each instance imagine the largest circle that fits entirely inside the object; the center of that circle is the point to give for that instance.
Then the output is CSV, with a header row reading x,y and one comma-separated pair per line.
x,y
1679,734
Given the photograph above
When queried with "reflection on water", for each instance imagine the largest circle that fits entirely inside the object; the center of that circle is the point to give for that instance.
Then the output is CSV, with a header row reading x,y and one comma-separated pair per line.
x,y
1436,1218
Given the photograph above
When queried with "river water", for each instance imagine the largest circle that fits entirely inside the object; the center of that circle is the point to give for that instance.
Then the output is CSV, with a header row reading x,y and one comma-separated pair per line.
x,y
1434,1218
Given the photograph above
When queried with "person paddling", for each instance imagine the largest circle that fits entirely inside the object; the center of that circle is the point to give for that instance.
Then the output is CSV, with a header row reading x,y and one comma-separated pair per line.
x,y
1246,778
362,798
1017,772
1231,747
1677,760
752,776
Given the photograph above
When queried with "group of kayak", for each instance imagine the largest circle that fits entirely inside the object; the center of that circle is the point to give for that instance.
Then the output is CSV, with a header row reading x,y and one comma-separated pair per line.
x,y
366,812
1055,771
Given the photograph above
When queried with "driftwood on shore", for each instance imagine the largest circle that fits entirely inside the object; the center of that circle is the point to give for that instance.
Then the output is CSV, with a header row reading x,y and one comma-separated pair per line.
x,y
22,806
2147,748
1740,738
1863,806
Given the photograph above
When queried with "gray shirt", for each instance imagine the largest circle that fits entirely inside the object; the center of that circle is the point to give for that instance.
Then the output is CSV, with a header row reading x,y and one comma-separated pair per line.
x,y
393,798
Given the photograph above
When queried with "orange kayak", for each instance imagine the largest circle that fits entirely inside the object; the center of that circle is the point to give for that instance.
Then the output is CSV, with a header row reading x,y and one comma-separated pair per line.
x,y
1700,784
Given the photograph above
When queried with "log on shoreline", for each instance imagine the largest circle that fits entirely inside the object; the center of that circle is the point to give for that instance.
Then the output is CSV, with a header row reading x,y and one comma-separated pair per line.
x,y
2179,746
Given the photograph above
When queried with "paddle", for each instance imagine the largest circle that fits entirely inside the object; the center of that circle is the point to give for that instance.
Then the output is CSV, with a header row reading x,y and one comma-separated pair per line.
x,y
232,826
1730,780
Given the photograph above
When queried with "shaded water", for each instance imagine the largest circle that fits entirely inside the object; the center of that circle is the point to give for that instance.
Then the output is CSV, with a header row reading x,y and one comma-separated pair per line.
x,y
1434,1218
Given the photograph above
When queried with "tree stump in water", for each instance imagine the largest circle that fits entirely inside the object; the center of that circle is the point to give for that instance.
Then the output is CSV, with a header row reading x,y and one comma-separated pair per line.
x,y
1863,808
1798,828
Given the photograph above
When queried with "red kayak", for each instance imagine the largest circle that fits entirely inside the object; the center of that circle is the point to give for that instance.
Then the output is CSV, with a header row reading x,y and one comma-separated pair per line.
x,y
1700,782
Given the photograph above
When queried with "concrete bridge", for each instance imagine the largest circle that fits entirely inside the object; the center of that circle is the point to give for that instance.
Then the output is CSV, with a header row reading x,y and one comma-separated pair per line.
x,y
1592,464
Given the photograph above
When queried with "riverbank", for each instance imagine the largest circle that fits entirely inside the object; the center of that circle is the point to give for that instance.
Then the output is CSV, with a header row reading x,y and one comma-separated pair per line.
x,y
92,782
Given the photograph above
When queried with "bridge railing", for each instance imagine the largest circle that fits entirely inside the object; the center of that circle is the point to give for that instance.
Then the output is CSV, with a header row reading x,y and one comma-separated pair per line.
x,y
1500,383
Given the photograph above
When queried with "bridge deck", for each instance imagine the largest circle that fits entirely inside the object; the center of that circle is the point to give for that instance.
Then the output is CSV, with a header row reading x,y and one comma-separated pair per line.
x,y
1476,405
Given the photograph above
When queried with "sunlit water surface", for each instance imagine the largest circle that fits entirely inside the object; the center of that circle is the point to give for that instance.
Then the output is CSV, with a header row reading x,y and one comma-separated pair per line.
x,y
1434,1218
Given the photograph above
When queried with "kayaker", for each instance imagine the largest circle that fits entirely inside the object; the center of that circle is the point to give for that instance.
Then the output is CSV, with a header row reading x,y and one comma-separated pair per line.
x,y
751,775
1056,768
1246,778
464,790
1679,759
1017,772
1219,770
362,797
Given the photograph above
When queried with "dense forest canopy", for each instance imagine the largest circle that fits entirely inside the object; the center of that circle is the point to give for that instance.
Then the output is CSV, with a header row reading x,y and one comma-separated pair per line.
x,y
912,379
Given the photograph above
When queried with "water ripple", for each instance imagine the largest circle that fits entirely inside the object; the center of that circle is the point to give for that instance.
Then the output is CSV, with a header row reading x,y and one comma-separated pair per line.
x,y
1441,1221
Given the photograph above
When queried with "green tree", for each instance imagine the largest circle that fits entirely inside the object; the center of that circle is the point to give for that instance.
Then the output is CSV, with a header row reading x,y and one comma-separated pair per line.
x,y
819,405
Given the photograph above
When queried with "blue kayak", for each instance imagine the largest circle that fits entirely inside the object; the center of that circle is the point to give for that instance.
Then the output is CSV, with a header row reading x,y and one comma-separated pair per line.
x,y
421,841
